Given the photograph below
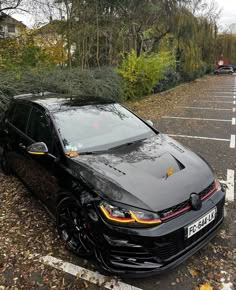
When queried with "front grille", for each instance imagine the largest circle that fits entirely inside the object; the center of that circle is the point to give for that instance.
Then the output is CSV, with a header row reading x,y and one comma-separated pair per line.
x,y
203,194
145,254
176,242
185,206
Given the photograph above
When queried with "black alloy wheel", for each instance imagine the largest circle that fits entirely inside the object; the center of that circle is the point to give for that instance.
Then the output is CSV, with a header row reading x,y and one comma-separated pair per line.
x,y
5,164
72,227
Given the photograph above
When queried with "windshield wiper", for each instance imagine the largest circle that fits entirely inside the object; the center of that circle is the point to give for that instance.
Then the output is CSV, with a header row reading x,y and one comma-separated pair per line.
x,y
127,144
92,152
112,148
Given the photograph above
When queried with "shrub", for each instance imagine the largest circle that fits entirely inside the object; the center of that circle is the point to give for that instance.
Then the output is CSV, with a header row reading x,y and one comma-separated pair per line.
x,y
141,73
198,72
170,79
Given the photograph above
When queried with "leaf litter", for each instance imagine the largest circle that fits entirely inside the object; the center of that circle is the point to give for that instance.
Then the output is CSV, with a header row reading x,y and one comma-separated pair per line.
x,y
26,229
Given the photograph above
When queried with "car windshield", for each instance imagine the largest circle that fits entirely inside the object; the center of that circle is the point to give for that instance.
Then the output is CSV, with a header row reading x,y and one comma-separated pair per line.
x,y
99,127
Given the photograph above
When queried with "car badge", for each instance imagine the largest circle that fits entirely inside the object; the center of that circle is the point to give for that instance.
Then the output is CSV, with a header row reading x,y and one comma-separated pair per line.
x,y
169,171
195,201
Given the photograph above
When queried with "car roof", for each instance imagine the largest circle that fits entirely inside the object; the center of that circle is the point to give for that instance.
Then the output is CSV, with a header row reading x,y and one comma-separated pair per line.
x,y
55,102
226,66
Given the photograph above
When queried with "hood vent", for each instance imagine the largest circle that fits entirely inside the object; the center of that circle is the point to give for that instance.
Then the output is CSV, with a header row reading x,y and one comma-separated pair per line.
x,y
176,147
114,170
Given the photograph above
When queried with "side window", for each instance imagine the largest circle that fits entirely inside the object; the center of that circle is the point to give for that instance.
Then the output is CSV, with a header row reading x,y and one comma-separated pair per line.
x,y
19,116
39,129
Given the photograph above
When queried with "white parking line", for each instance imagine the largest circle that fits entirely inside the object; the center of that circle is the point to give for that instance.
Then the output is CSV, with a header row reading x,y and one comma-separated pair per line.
x,y
233,121
85,274
230,185
234,110
198,119
232,141
198,137
221,102
227,97
204,108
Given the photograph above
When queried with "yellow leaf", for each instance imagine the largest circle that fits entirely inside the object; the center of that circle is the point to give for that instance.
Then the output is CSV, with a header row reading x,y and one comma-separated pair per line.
x,y
169,171
193,272
205,286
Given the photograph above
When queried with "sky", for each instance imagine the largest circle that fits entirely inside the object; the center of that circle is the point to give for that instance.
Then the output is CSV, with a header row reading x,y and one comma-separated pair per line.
x,y
228,14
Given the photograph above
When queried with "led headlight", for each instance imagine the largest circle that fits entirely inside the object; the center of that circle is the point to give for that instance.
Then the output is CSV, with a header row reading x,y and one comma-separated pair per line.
x,y
121,215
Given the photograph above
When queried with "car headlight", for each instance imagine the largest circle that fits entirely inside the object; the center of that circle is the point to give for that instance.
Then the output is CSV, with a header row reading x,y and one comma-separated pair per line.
x,y
135,217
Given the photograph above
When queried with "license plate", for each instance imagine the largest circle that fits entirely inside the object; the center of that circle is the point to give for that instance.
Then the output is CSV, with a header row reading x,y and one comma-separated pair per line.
x,y
201,223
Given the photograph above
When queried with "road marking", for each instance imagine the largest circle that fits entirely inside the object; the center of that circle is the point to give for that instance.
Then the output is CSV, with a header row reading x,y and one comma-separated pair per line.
x,y
232,141
203,108
198,137
85,274
199,119
230,185
234,110
222,102
233,121
221,97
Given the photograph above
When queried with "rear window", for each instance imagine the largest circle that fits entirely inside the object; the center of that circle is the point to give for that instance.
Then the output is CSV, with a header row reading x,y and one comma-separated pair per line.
x,y
20,117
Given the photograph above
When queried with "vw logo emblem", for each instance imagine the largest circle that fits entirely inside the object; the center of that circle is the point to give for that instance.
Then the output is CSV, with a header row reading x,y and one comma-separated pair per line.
x,y
195,201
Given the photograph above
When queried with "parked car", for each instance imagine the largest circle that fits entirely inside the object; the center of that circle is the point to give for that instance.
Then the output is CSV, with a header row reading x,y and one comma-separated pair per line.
x,y
229,65
224,70
118,189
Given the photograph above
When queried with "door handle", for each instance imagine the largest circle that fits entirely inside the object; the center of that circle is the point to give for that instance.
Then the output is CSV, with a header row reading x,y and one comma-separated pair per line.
x,y
22,146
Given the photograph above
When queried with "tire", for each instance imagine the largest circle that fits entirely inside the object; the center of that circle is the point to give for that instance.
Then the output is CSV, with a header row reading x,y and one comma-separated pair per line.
x,y
72,227
5,164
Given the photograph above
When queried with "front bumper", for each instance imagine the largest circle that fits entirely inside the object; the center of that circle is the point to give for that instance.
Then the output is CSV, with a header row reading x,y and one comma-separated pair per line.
x,y
145,252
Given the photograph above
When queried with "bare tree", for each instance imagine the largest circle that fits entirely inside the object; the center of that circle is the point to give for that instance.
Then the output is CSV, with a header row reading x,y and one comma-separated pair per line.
x,y
9,5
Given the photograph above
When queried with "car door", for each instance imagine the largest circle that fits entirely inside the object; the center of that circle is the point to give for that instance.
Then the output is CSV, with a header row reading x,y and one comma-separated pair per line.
x,y
226,70
222,71
44,170
16,139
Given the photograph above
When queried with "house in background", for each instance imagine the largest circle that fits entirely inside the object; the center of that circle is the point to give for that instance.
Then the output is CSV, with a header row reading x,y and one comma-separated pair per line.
x,y
9,26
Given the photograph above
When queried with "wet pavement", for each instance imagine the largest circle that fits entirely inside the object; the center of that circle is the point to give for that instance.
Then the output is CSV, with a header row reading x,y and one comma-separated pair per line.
x,y
203,123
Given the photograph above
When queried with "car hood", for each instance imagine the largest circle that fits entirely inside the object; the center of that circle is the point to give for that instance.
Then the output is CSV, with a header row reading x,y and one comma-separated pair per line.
x,y
136,175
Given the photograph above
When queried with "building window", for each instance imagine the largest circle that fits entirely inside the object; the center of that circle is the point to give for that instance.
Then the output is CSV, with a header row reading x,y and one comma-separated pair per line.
x,y
11,28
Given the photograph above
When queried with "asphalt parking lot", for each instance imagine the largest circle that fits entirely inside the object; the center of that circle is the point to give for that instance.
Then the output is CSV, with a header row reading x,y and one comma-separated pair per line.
x,y
206,124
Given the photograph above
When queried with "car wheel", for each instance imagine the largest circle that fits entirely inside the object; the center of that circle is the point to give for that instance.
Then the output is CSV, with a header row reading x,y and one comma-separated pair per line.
x,y
72,227
5,164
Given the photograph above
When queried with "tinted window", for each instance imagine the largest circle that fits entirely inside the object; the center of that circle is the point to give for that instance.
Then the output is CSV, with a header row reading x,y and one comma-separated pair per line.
x,y
10,112
39,128
99,127
20,117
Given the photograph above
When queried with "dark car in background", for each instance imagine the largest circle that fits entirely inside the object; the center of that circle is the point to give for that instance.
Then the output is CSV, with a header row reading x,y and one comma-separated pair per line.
x,y
118,189
224,70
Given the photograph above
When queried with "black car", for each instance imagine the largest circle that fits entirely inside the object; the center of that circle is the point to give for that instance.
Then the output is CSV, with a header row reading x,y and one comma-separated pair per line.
x,y
118,189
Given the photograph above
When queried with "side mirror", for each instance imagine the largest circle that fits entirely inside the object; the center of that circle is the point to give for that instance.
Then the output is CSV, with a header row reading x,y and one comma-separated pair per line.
x,y
38,148
150,123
